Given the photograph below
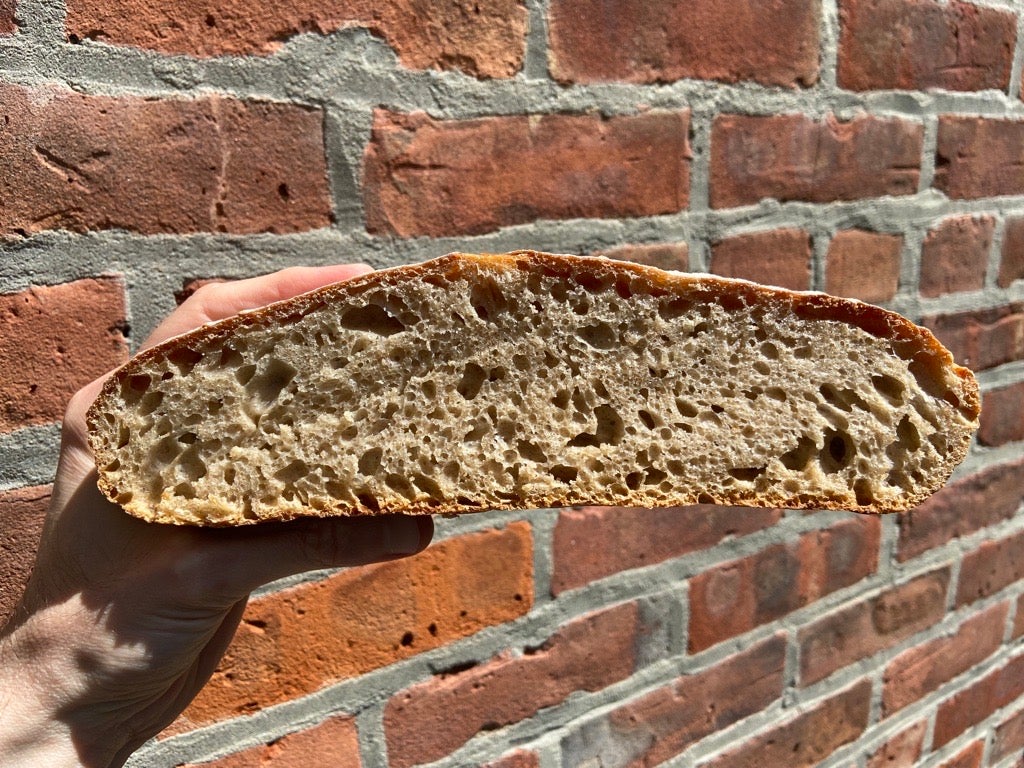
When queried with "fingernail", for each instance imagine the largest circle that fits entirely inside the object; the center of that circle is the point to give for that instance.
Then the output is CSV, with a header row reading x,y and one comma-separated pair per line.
x,y
401,536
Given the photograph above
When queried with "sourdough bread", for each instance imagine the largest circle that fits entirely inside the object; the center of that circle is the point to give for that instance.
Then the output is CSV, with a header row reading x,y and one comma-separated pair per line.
x,y
530,380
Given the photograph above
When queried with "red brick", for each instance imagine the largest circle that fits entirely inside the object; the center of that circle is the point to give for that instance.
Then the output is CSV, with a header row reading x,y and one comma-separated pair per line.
x,y
486,38
594,542
979,157
954,255
982,338
863,265
1011,265
860,630
663,723
922,669
968,757
658,41
1002,417
673,256
920,44
7,25
333,743
989,568
22,512
794,157
54,340
82,163
432,719
733,598
293,642
960,509
446,177
1009,738
1018,619
807,739
779,257
974,704
902,750
518,759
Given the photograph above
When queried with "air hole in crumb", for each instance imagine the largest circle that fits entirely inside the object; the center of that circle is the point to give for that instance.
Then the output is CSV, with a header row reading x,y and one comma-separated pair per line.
x,y
185,491
266,386
293,472
653,476
134,387
838,451
634,479
372,319
150,402
400,484
908,434
429,486
595,283
473,377
564,474
244,374
561,399
487,299
610,429
368,500
230,357
686,409
761,367
670,309
599,335
530,451
647,419
188,438
229,475
747,474
184,359
889,387
769,351
123,436
799,457
863,491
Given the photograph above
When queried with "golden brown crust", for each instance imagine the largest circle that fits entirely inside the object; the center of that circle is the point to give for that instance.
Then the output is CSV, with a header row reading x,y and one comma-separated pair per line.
x,y
908,340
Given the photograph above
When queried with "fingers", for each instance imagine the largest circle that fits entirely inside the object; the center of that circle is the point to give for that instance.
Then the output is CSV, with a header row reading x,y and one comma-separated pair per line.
x,y
241,560
215,301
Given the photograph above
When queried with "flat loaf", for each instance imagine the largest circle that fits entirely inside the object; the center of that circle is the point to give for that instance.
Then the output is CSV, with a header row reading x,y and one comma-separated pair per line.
x,y
528,380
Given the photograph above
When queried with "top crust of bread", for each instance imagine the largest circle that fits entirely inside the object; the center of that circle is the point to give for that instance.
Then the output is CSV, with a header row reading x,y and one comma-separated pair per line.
x,y
949,388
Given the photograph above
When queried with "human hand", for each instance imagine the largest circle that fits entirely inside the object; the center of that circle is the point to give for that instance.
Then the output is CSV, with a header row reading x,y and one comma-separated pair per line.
x,y
122,621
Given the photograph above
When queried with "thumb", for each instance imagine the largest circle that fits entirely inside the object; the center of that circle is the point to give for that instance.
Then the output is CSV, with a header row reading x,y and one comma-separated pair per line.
x,y
245,559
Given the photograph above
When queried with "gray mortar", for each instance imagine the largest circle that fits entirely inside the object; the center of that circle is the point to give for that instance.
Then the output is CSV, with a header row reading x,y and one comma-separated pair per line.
x,y
347,74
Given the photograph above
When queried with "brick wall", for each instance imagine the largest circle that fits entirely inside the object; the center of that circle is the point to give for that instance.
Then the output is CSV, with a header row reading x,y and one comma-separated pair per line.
x,y
873,148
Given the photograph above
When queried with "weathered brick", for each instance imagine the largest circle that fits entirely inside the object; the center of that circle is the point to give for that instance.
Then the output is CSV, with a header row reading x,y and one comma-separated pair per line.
x,y
975,703
902,750
982,338
808,738
921,44
594,542
989,568
658,41
794,157
1011,264
486,38
862,629
1009,738
432,719
293,642
1002,415
673,256
1018,619
778,257
518,759
979,157
968,757
663,723
333,743
735,597
863,265
445,177
954,255
960,509
54,340
22,512
81,163
922,669
7,24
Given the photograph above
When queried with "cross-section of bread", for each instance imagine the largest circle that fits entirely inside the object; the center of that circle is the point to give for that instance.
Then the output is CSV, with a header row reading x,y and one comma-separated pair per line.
x,y
529,380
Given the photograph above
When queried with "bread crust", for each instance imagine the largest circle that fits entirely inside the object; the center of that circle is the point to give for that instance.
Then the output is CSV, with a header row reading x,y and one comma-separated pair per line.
x,y
910,341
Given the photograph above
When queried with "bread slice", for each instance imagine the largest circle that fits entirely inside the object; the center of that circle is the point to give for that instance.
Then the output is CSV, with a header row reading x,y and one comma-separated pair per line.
x,y
529,380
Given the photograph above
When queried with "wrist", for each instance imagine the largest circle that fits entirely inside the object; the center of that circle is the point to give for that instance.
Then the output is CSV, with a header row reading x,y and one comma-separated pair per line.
x,y
42,691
